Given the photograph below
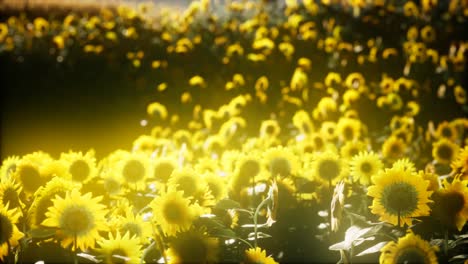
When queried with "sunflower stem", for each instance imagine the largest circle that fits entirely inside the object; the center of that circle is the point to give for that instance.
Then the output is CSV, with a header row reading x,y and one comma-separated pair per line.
x,y
446,242
257,211
75,259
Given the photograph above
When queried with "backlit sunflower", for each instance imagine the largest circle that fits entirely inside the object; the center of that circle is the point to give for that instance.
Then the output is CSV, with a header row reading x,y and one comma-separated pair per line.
x,y
444,151
81,167
43,199
78,218
10,193
328,167
409,249
193,186
348,129
133,168
134,225
329,131
405,164
399,195
460,163
447,130
393,148
270,128
257,255
9,166
216,184
247,167
173,212
28,174
352,148
9,234
193,246
364,166
302,122
163,168
120,249
451,203
281,161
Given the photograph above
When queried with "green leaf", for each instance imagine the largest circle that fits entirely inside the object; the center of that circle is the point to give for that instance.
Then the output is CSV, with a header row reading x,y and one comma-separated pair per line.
x,y
251,236
41,233
375,248
226,204
224,232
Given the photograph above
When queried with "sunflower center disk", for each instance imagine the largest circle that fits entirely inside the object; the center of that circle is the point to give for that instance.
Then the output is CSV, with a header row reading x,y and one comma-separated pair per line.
x,y
329,169
249,169
453,203
445,152
366,167
79,170
6,229
132,228
172,213
410,256
163,171
188,185
76,220
30,178
117,255
400,198
133,171
280,166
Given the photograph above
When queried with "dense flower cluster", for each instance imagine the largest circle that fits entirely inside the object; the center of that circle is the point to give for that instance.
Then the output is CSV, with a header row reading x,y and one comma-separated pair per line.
x,y
269,118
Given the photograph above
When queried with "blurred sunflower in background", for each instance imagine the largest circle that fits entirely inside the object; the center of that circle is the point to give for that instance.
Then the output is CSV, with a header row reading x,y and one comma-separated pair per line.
x,y
119,249
193,246
9,235
451,203
257,255
81,167
364,166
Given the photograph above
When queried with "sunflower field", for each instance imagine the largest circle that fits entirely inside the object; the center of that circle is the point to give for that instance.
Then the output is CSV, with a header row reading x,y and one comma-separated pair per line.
x,y
311,131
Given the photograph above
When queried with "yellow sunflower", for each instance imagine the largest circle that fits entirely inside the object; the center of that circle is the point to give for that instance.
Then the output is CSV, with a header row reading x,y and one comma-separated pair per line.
x,y
327,167
451,203
329,131
163,168
193,246
9,234
43,198
348,129
9,166
28,174
405,164
133,168
134,225
446,130
364,166
78,218
409,249
257,255
120,249
460,163
10,193
193,186
270,128
281,161
216,184
393,148
247,167
301,120
81,167
352,148
444,151
399,195
173,212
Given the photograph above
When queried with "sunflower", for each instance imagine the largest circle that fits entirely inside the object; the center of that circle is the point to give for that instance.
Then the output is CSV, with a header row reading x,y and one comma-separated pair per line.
x,y
270,128
352,148
9,166
460,163
446,130
43,198
444,151
120,249
328,167
193,246
163,168
348,129
133,168
78,218
399,195
173,212
257,255
55,168
247,167
216,185
405,164
409,249
451,203
156,108
193,186
281,161
9,234
134,225
393,148
28,174
10,193
364,166
81,167
329,131
318,141
145,143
